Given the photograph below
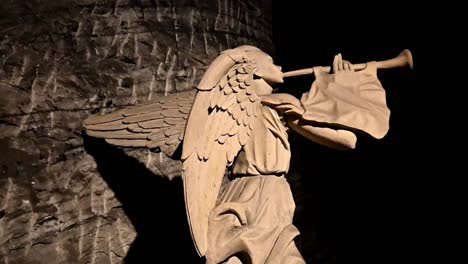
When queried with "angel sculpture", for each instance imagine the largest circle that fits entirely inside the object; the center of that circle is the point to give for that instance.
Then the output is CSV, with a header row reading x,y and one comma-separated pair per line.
x,y
233,122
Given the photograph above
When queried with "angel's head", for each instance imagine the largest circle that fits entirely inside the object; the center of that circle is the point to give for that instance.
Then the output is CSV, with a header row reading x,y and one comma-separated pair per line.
x,y
265,67
265,70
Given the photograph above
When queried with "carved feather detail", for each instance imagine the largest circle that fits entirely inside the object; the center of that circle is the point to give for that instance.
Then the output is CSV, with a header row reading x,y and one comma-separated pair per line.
x,y
157,124
220,124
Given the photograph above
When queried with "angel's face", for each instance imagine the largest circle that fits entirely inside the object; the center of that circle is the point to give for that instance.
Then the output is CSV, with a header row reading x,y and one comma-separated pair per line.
x,y
270,72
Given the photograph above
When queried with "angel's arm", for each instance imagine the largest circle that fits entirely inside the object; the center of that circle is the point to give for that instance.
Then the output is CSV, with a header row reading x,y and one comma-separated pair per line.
x,y
334,138
292,111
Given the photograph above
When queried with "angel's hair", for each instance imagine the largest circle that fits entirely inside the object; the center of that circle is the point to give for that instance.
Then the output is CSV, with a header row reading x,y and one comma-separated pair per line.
x,y
221,65
242,48
245,49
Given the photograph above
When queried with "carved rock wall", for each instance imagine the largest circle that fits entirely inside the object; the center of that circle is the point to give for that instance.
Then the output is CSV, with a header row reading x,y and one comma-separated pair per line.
x,y
61,61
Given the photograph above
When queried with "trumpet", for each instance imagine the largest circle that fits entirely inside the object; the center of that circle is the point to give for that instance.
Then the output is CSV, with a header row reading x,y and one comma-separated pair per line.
x,y
405,58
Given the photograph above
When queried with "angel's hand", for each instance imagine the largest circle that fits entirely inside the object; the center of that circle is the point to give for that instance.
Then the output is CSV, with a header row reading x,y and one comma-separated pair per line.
x,y
340,65
344,74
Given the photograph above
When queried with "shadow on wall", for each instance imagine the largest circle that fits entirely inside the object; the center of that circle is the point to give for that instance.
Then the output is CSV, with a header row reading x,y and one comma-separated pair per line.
x,y
155,206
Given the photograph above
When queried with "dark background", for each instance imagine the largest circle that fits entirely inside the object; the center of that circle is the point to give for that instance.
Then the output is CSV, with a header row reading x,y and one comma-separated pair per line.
x,y
357,205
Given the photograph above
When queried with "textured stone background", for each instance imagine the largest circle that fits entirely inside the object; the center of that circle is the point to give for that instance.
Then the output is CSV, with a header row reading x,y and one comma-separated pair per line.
x,y
61,61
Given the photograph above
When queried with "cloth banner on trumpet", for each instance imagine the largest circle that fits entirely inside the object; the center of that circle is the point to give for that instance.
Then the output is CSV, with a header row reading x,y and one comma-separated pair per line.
x,y
347,100
354,100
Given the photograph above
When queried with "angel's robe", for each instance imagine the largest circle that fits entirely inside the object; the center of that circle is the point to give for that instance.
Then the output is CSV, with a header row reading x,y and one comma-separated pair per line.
x,y
254,213
267,151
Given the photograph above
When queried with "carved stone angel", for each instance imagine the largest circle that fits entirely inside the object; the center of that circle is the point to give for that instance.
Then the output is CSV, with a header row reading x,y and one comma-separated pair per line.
x,y
234,122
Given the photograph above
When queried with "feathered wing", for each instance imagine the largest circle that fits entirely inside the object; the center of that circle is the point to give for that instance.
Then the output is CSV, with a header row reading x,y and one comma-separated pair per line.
x,y
158,124
219,126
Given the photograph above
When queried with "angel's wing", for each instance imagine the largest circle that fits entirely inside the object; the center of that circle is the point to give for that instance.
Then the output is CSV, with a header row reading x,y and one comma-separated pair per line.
x,y
158,124
219,125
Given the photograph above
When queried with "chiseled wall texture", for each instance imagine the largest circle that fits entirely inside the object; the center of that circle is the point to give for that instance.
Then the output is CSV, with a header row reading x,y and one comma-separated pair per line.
x,y
66,199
